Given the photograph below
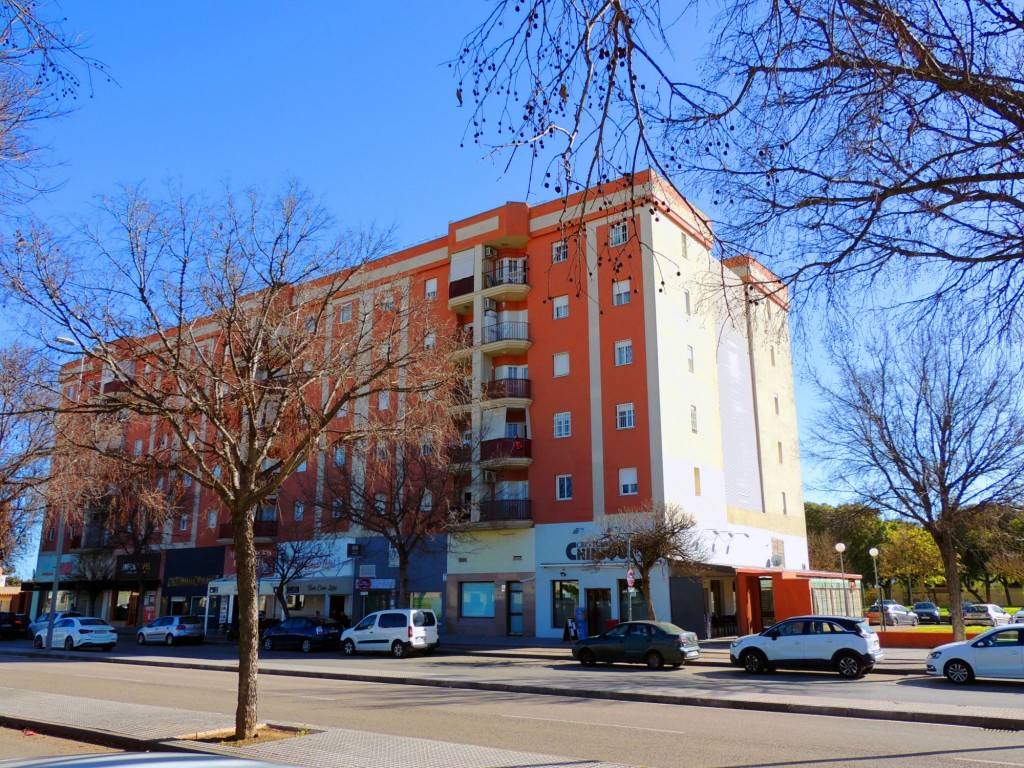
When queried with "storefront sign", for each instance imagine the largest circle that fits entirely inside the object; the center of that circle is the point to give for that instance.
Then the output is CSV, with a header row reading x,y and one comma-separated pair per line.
x,y
141,567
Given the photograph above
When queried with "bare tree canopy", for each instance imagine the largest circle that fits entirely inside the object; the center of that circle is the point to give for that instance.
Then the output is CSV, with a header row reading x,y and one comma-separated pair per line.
x,y
645,536
230,340
927,427
843,141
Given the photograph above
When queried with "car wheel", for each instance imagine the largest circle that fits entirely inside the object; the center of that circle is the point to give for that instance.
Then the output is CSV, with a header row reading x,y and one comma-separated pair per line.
x,y
398,649
38,642
754,662
914,622
69,644
849,666
169,640
895,621
307,645
348,648
958,672
140,639
268,644
587,658
654,660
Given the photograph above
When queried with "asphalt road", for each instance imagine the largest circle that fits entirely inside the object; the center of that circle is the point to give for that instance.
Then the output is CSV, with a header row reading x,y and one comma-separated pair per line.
x,y
659,736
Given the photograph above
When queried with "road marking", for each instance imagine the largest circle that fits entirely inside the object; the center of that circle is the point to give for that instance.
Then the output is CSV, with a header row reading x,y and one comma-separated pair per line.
x,y
987,762
599,725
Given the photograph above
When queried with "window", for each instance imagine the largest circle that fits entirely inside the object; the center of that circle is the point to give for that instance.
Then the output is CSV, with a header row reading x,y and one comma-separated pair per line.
x,y
336,509
345,315
627,482
563,487
785,505
686,247
689,358
476,600
382,452
561,307
299,511
430,340
618,233
563,424
693,419
565,597
624,416
386,301
775,401
383,401
183,523
138,447
559,252
430,288
779,446
426,446
380,503
620,293
301,467
216,473
561,364
51,534
696,481
427,501
686,302
187,481
624,352
211,518
339,456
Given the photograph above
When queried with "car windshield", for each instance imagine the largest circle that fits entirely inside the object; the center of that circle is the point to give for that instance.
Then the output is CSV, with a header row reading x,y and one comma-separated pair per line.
x,y
924,605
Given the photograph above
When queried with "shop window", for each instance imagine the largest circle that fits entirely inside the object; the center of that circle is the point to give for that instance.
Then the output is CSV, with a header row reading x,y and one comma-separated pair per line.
x,y
565,597
476,600
295,602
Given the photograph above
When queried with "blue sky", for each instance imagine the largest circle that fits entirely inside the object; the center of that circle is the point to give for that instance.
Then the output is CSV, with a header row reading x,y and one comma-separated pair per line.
x,y
353,99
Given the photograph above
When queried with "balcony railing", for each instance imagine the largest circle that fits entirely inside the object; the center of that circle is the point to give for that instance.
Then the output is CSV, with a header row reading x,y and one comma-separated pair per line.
x,y
513,273
515,330
460,287
261,529
499,388
505,509
506,448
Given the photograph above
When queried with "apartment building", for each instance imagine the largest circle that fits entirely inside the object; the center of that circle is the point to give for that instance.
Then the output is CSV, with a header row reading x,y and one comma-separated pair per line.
x,y
611,360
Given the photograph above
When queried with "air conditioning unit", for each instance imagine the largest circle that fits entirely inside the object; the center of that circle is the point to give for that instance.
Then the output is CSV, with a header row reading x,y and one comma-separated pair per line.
x,y
490,305
490,251
489,476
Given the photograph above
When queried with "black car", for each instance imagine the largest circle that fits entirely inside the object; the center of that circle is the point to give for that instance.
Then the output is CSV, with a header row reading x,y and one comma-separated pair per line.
x,y
928,613
654,643
303,632
13,625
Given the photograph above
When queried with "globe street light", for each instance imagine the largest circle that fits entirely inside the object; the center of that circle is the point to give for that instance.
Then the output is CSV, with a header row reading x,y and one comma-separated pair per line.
x,y
878,585
840,548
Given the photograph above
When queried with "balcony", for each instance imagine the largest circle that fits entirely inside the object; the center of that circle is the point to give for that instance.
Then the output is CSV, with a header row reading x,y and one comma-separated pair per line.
x,y
263,531
494,514
506,338
506,280
459,298
499,392
510,452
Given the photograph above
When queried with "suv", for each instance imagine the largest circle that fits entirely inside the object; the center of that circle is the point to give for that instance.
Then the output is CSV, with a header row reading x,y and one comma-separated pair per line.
x,y
13,625
172,629
396,631
849,646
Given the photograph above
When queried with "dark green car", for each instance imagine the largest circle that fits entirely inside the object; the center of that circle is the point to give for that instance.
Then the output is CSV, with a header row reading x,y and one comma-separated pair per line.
x,y
654,643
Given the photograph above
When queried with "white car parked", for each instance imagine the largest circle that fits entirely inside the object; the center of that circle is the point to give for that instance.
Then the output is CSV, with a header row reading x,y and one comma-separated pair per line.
x,y
79,632
986,613
847,645
397,631
1018,617
999,652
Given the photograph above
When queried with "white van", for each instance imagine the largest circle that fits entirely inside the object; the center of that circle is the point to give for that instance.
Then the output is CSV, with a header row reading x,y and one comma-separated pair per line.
x,y
396,631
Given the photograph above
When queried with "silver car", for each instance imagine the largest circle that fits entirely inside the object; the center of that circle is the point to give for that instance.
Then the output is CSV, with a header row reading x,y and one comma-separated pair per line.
x,y
986,613
1018,617
171,630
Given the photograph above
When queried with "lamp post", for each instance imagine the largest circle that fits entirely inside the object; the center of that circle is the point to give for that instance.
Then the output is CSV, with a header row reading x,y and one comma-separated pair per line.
x,y
840,548
629,565
878,585
65,341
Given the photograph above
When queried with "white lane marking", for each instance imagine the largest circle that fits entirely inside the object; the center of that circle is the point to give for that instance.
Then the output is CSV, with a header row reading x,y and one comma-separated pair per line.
x,y
987,762
599,725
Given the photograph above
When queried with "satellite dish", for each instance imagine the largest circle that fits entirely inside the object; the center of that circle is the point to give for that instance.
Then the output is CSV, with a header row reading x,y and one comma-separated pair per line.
x,y
776,561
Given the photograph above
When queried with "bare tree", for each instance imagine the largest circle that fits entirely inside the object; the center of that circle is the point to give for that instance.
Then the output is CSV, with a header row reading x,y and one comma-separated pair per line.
x,y
94,568
645,536
298,556
883,137
927,427
231,336
400,479
25,440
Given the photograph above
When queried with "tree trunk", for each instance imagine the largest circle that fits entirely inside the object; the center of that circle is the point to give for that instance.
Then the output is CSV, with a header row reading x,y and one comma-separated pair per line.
x,y
645,579
947,550
248,620
140,604
1005,583
279,595
403,582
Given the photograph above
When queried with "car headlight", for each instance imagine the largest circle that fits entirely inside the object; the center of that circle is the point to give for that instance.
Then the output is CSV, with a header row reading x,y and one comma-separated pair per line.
x,y
934,654
734,643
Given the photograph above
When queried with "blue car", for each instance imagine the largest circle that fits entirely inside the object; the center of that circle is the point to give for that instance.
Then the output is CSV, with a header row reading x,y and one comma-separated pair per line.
x,y
303,632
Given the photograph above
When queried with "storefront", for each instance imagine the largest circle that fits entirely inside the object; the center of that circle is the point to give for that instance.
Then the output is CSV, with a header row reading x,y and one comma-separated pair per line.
x,y
766,596
187,573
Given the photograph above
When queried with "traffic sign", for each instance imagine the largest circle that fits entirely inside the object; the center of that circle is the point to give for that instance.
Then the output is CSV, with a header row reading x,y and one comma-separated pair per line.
x,y
630,578
363,583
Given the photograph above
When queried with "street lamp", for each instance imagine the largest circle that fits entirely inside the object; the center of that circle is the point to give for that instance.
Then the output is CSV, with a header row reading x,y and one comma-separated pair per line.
x,y
878,585
840,548
59,555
